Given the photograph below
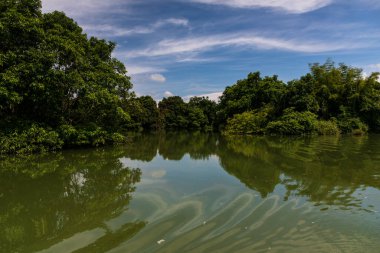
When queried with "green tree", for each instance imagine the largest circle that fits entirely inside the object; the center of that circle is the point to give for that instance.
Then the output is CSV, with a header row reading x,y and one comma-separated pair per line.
x,y
52,75
251,122
293,123
208,109
249,94
174,112
144,112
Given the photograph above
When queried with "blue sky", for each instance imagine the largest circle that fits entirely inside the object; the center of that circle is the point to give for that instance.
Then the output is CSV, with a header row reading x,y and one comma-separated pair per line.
x,y
198,47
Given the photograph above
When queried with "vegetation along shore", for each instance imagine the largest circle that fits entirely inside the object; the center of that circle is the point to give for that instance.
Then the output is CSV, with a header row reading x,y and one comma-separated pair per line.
x,y
59,89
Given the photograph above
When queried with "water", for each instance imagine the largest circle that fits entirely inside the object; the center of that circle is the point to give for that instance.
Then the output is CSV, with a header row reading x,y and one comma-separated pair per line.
x,y
184,192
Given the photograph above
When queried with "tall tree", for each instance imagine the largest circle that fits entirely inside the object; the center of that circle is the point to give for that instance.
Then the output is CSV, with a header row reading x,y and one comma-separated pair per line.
x,y
51,73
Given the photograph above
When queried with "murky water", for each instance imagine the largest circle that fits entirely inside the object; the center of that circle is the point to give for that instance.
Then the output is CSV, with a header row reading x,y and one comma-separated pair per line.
x,y
184,192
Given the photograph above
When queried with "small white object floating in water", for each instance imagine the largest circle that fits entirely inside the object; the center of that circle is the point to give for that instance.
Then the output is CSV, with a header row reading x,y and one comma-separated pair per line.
x,y
161,241
204,223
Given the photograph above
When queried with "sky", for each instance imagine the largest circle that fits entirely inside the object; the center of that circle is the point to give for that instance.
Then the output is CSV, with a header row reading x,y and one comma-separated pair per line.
x,y
198,47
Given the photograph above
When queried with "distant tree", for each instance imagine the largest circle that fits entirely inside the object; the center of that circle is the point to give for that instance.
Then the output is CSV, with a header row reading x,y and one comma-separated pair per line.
x,y
340,92
251,93
144,112
208,109
174,112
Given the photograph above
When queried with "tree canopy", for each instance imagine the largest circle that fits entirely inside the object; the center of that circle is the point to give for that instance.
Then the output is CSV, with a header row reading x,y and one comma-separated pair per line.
x,y
60,88
328,100
53,77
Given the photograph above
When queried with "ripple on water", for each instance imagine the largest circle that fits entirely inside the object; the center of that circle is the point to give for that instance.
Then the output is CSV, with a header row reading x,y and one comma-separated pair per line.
x,y
246,224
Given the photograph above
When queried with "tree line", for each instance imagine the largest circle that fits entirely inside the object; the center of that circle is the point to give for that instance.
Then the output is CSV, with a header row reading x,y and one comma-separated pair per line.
x,y
59,88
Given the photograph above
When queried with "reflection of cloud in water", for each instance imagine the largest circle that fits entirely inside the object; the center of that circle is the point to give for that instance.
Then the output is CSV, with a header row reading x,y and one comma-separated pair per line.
x,y
158,173
76,242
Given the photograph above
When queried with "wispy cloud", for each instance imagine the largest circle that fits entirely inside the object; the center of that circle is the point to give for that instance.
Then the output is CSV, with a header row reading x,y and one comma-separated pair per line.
x,y
113,30
79,8
138,70
197,59
291,6
158,78
172,21
117,31
199,44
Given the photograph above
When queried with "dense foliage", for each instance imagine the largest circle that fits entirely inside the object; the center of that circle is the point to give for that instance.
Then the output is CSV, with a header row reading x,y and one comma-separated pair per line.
x,y
329,100
56,85
59,88
77,190
198,114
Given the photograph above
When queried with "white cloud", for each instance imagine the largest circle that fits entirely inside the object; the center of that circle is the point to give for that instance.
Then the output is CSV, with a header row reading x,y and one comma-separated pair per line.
x,y
194,58
157,78
82,8
168,94
291,6
138,70
113,30
172,21
374,67
371,69
199,44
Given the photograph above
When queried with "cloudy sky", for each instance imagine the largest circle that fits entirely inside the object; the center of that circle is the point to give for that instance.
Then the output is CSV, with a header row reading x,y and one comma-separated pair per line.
x,y
198,47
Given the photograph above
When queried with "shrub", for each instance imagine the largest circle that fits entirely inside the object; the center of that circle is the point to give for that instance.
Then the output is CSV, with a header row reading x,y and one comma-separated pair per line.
x,y
90,136
327,127
352,125
30,140
118,138
293,123
247,123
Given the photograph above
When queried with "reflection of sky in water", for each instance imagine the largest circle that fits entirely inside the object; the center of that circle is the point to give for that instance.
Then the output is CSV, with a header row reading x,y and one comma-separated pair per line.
x,y
76,242
242,195
186,175
195,206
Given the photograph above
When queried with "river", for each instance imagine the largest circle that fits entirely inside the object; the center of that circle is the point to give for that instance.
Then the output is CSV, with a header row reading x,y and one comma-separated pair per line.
x,y
194,192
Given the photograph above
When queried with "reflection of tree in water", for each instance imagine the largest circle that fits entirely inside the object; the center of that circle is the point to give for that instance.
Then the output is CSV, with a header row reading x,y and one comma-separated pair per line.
x,y
244,158
45,199
326,170
111,239
143,147
171,145
198,145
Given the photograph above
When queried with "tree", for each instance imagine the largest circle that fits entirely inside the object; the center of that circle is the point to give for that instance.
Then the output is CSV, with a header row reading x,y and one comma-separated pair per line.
x,y
144,112
251,93
20,33
208,108
174,112
52,75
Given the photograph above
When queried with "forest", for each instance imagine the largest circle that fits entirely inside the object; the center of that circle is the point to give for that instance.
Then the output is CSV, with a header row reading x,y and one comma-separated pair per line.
x,y
60,89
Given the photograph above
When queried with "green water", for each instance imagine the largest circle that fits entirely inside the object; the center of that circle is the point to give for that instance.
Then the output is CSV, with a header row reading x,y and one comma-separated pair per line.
x,y
196,193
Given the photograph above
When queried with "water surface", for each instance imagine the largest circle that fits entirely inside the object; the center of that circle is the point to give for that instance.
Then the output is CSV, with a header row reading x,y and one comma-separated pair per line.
x,y
183,192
